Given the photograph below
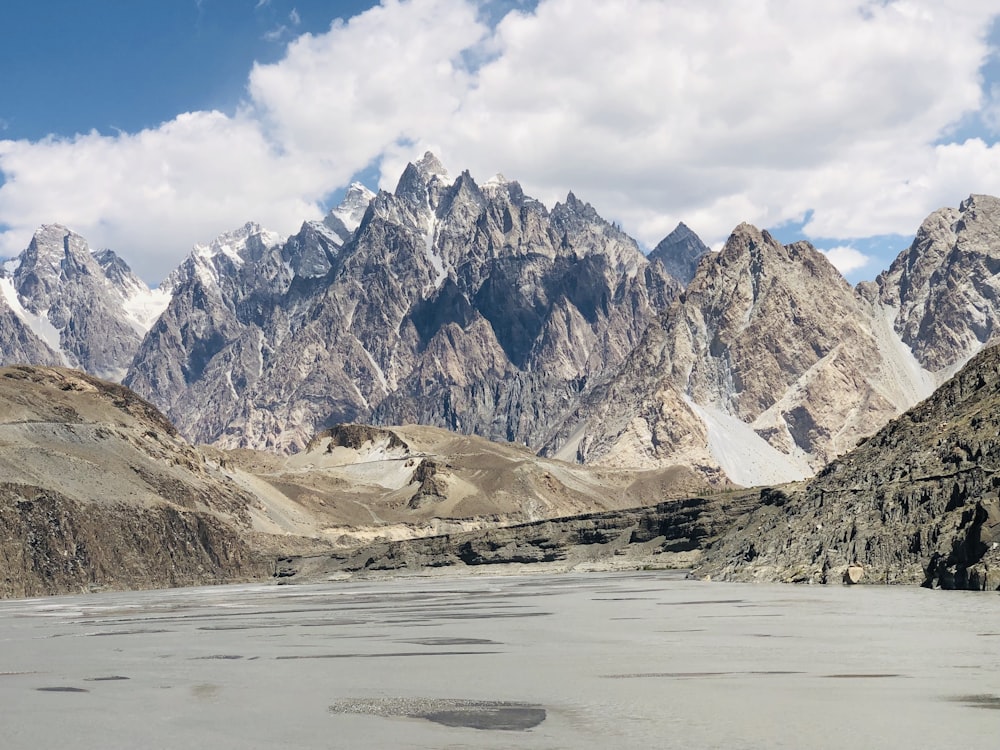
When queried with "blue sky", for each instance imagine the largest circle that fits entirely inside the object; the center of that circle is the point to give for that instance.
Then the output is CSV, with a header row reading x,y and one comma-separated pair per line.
x,y
150,126
109,65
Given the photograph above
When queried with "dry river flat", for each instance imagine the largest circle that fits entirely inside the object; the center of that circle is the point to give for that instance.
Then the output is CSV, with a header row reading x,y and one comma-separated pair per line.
x,y
545,661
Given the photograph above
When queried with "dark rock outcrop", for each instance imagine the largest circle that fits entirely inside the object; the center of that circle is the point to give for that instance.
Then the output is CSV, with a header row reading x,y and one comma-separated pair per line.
x,y
52,544
644,535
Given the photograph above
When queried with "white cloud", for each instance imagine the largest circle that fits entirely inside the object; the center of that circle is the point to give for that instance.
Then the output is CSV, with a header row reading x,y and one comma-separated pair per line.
x,y
846,259
275,34
294,17
710,113
153,194
713,114
390,74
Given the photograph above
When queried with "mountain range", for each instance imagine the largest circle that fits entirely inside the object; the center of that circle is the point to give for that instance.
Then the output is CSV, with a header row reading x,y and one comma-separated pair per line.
x,y
477,309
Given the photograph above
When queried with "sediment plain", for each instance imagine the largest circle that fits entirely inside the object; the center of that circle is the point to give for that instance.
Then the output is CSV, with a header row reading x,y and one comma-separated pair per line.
x,y
565,661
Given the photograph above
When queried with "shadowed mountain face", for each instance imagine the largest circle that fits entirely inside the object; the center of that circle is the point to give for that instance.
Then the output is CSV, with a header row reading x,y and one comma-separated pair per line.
x,y
915,503
679,252
452,304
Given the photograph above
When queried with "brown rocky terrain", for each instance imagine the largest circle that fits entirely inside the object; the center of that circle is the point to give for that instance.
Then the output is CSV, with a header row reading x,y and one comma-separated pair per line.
x,y
98,490
354,484
916,503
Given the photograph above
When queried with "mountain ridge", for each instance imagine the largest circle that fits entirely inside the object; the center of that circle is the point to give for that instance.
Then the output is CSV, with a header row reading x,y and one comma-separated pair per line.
x,y
475,308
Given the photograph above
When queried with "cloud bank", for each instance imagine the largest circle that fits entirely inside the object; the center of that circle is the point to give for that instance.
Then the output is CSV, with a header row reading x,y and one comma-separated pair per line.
x,y
712,113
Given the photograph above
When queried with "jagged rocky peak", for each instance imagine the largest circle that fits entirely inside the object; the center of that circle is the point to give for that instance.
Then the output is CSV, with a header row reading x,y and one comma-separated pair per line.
x,y
430,167
225,256
575,207
119,273
763,314
54,253
238,243
449,304
90,311
463,202
679,252
584,232
769,361
423,182
945,288
346,217
510,190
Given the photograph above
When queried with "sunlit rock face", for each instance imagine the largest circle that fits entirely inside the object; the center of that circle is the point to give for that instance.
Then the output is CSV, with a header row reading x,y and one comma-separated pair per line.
x,y
449,303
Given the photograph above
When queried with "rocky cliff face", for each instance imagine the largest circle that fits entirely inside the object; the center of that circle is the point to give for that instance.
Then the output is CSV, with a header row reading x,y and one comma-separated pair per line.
x,y
64,305
18,342
453,304
767,366
915,503
944,290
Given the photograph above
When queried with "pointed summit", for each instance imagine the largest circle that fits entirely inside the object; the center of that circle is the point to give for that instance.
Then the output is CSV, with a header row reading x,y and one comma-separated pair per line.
x,y
679,252
54,254
944,287
430,166
347,216
423,182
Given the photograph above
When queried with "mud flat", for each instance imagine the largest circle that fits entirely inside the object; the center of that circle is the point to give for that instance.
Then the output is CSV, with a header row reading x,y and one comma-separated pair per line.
x,y
544,661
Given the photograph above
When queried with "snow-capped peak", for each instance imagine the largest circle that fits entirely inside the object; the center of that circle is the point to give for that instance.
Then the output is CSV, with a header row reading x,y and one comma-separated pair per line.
x,y
352,209
234,243
430,166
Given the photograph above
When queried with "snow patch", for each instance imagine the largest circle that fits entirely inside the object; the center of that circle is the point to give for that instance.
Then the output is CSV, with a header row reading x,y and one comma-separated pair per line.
x,y
37,324
11,265
233,244
331,236
435,260
205,270
144,306
379,373
744,455
233,253
909,382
